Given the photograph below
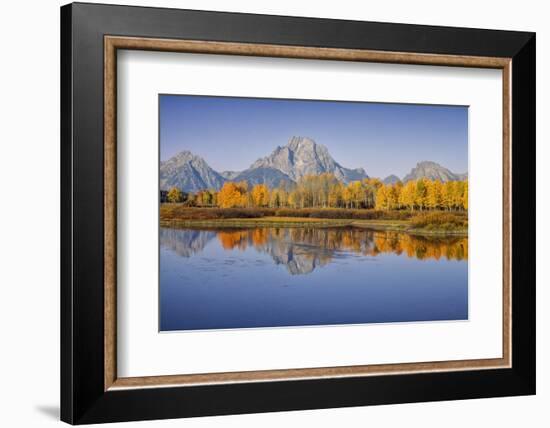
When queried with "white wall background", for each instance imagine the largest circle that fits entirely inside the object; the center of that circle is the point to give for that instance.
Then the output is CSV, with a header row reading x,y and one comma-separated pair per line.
x,y
29,214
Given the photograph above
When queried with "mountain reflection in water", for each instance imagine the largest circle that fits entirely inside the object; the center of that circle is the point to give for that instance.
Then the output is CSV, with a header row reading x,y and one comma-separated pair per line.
x,y
301,250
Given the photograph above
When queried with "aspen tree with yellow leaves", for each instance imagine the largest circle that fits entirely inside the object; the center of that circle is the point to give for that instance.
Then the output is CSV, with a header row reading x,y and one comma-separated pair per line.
x,y
465,196
382,198
260,195
408,195
174,195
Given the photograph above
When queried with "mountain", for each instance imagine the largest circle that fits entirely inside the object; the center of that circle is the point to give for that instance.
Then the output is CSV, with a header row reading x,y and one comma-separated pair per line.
x,y
229,175
303,156
391,179
463,176
185,242
433,171
269,176
189,173
299,259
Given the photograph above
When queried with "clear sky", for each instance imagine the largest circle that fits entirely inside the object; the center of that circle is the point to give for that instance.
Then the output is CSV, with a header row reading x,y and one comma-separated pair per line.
x,y
231,133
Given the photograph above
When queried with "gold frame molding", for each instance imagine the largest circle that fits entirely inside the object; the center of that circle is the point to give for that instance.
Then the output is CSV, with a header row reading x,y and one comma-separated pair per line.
x,y
113,43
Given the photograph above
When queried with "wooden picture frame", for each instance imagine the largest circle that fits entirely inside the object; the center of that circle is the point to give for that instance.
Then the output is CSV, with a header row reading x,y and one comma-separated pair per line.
x,y
91,390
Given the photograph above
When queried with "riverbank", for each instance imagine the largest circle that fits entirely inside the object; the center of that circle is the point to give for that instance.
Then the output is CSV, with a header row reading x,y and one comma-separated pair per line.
x,y
270,221
416,222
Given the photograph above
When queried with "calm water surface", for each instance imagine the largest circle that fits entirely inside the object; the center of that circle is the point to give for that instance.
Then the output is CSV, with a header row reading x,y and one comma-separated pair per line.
x,y
271,277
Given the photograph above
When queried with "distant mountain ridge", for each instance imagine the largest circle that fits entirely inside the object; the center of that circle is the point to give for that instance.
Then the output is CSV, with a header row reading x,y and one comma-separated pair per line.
x,y
433,171
229,175
299,157
391,179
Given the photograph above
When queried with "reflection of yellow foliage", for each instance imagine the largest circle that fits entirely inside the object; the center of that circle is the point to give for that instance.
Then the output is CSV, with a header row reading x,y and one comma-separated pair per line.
x,y
231,240
366,242
420,247
259,237
242,238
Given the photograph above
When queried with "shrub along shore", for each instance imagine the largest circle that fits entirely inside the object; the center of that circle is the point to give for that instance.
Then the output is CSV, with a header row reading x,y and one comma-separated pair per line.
x,y
417,222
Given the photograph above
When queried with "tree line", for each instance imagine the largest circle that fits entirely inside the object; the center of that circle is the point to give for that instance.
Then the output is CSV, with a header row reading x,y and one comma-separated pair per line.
x,y
326,191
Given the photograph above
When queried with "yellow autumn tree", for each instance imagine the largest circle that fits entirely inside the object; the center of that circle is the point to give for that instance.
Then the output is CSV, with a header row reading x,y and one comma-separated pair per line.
x,y
370,187
277,198
458,194
232,195
260,195
382,198
335,195
433,194
397,188
174,195
408,195
206,198
447,192
393,192
465,196
293,199
420,193
347,196
356,193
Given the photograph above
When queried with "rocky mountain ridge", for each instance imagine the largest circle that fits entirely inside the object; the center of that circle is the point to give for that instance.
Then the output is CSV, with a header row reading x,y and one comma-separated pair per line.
x,y
433,171
189,173
299,157
303,156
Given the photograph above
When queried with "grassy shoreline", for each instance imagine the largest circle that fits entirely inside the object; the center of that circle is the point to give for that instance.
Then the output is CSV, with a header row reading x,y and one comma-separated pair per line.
x,y
439,223
271,221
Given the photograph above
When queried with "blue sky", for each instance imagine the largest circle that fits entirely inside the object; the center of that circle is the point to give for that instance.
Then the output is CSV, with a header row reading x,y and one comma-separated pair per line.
x,y
231,133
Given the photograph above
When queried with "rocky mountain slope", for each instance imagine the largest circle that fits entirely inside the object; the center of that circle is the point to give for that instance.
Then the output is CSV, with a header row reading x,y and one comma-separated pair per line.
x,y
229,175
270,176
391,179
433,171
303,156
189,173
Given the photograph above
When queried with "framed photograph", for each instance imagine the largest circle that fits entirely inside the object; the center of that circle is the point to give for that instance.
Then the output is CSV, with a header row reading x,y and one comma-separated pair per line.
x,y
266,213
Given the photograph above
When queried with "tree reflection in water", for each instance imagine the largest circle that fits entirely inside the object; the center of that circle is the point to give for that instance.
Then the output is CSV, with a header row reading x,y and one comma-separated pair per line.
x,y
301,250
